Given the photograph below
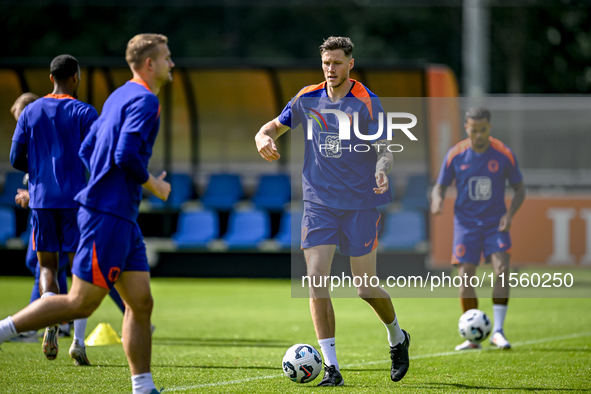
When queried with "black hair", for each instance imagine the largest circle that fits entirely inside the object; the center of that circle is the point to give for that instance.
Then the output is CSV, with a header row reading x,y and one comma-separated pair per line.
x,y
478,113
63,67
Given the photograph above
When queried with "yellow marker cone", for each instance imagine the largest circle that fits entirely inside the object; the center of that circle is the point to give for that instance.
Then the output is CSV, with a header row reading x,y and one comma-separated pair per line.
x,y
102,335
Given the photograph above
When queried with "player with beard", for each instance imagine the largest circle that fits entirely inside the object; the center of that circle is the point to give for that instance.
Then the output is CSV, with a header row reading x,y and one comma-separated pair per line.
x,y
480,165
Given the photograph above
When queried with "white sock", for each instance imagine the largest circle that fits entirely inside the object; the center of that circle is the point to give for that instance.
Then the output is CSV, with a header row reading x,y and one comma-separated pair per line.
x,y
80,330
329,352
499,311
395,334
7,329
142,383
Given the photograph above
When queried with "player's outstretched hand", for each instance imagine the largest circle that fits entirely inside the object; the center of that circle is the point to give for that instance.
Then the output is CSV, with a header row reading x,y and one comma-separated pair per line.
x,y
505,223
158,186
22,197
383,183
267,148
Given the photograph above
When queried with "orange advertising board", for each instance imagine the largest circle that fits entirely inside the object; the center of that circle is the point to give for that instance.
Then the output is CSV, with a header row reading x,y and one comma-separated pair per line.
x,y
551,231
444,121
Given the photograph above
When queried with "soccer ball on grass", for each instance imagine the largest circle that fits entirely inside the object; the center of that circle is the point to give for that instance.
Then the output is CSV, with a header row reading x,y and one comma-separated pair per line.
x,y
302,363
474,325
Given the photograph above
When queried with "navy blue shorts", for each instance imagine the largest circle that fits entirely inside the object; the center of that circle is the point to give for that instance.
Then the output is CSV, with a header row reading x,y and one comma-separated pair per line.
x,y
108,246
32,262
355,232
54,230
472,242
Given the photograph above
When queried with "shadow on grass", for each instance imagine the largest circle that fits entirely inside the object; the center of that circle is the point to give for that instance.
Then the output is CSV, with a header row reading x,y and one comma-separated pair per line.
x,y
220,342
561,349
447,386
233,367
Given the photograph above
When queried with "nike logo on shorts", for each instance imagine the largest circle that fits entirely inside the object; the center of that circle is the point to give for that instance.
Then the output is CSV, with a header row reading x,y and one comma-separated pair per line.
x,y
367,244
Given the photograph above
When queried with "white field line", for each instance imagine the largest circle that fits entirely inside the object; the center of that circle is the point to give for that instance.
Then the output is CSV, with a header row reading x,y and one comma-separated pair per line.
x,y
515,344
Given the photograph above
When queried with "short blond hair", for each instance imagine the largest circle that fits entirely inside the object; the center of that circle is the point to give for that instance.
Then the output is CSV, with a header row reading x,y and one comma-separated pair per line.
x,y
22,101
143,46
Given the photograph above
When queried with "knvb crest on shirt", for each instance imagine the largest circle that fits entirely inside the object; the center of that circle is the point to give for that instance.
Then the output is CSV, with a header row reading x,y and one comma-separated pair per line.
x,y
480,188
330,143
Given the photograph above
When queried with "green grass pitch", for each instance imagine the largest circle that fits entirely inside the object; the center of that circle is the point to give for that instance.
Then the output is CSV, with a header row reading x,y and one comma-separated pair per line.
x,y
229,336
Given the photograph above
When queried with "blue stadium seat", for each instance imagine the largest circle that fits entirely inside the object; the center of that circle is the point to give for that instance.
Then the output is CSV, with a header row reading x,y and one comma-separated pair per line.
x,y
195,229
415,195
223,191
290,222
273,193
393,186
181,190
7,224
403,230
247,228
14,180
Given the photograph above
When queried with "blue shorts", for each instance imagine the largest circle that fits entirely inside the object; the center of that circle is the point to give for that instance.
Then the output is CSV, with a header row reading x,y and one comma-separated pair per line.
x,y
32,262
54,230
472,242
108,246
355,232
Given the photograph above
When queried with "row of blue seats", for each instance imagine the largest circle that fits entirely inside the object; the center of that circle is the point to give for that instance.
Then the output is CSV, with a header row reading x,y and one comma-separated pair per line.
x,y
403,230
7,224
225,190
273,192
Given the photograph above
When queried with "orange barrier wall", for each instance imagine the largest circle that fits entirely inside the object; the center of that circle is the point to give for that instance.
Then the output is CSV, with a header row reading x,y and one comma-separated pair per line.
x,y
444,121
546,231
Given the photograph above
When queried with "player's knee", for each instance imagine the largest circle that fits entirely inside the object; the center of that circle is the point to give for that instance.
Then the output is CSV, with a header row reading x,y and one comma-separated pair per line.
x,y
48,273
318,279
84,306
142,305
319,292
366,293
148,305
467,292
502,269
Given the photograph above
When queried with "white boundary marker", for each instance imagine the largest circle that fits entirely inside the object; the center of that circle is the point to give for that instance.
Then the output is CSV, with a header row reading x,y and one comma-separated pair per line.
x,y
239,381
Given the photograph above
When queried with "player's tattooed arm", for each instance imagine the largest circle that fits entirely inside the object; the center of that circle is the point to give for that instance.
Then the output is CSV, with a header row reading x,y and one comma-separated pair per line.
x,y
383,166
385,158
